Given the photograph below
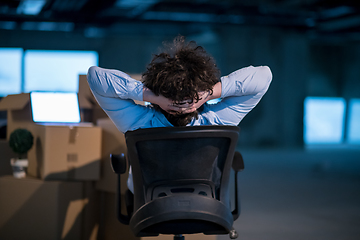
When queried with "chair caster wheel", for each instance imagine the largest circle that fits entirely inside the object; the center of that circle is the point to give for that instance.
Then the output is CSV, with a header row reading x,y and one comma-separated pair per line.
x,y
233,234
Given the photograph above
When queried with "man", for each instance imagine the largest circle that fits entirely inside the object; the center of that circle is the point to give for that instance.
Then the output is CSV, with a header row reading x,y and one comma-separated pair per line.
x,y
178,83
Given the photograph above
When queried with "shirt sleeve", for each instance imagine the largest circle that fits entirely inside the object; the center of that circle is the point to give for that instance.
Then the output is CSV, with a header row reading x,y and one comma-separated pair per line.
x,y
115,91
241,91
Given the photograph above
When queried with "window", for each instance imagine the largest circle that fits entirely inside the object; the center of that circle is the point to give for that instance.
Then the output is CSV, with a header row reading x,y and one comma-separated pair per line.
x,y
324,120
353,123
47,70
42,70
10,71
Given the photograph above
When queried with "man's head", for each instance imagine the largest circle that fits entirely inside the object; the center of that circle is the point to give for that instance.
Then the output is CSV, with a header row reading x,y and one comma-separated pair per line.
x,y
181,72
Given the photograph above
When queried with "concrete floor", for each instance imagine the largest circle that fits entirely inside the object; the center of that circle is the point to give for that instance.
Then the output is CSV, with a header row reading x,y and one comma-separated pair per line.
x,y
300,194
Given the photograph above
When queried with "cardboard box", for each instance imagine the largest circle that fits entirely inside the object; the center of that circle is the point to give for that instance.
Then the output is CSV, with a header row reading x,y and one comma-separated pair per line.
x,y
110,228
113,142
89,108
65,152
6,153
35,209
86,98
18,112
91,213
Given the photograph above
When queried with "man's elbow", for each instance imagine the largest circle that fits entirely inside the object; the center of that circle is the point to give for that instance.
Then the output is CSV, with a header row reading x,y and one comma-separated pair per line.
x,y
92,78
266,73
266,76
91,72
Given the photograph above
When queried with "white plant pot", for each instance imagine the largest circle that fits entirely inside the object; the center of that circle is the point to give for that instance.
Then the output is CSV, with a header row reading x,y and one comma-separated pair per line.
x,y
19,167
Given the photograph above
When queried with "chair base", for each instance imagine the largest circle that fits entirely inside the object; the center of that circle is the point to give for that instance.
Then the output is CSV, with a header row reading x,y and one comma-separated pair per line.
x,y
192,210
179,237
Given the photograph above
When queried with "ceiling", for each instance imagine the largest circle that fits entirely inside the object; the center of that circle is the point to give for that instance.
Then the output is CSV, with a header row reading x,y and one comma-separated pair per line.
x,y
320,16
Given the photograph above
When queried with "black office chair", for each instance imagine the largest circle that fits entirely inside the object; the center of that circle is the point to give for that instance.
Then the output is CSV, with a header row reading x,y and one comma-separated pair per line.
x,y
181,180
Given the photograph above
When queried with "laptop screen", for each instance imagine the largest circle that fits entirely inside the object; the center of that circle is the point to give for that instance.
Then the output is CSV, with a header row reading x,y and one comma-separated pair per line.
x,y
55,107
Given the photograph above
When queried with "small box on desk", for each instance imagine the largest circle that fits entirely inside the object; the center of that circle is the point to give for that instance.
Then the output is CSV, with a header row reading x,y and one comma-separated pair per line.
x,y
65,152
18,109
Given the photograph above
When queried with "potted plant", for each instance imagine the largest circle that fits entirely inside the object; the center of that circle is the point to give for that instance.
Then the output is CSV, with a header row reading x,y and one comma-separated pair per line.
x,y
21,140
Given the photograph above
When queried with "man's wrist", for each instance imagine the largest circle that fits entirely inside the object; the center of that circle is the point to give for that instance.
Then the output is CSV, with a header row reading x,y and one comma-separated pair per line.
x,y
216,91
148,95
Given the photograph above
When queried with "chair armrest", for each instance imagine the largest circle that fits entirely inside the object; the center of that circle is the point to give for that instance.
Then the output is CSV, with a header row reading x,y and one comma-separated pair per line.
x,y
237,165
238,162
118,163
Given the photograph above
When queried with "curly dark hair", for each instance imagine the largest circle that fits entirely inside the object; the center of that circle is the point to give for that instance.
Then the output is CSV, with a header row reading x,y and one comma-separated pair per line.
x,y
180,72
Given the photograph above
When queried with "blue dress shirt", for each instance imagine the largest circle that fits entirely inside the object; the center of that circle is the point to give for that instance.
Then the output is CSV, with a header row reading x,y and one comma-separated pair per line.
x,y
116,91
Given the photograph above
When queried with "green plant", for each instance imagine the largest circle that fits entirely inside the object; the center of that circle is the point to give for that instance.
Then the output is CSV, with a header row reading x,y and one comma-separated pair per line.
x,y
21,140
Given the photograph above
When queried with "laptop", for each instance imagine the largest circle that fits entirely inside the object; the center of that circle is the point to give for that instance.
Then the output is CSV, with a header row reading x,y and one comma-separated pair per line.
x,y
55,108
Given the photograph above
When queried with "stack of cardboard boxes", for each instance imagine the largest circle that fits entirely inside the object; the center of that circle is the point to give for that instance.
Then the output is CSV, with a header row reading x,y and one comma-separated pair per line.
x,y
70,190
57,199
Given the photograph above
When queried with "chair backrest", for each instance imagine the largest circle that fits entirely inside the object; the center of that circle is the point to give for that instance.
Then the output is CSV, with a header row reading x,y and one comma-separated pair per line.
x,y
174,170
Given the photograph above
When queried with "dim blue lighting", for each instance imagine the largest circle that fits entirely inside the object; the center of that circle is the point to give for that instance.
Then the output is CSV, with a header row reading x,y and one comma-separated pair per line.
x,y
353,130
324,120
30,7
8,25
